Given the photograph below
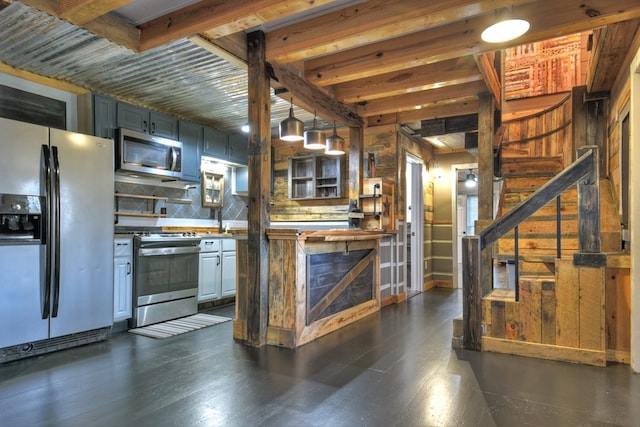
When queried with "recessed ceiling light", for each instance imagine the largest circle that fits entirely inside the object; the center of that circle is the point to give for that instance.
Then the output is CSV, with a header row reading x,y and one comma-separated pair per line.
x,y
505,30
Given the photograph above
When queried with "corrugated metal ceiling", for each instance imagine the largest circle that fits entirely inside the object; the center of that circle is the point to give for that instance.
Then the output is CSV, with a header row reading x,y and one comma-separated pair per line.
x,y
180,78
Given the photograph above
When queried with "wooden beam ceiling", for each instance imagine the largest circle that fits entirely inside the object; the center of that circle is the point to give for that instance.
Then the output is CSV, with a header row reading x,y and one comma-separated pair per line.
x,y
377,60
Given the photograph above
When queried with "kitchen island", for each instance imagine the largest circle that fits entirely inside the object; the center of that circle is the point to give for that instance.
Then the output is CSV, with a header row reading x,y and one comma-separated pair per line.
x,y
319,281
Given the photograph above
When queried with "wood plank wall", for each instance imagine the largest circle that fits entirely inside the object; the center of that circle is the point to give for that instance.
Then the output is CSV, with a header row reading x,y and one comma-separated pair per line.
x,y
544,134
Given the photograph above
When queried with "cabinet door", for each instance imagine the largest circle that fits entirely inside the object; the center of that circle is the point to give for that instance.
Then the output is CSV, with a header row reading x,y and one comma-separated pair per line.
x,y
132,117
190,134
238,146
122,288
209,276
104,116
214,143
163,125
240,181
228,273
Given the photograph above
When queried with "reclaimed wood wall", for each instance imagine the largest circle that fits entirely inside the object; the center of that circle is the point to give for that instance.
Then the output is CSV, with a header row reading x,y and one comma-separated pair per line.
x,y
544,134
283,209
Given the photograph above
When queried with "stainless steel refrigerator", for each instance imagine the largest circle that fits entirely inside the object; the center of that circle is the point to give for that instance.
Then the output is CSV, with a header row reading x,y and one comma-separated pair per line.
x,y
56,291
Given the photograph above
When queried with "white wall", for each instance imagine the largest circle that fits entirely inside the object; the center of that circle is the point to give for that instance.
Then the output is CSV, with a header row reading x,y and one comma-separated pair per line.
x,y
70,99
634,201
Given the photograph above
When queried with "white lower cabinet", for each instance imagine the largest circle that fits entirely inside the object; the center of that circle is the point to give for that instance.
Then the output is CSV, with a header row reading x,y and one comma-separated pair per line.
x,y
229,271
209,270
122,278
217,270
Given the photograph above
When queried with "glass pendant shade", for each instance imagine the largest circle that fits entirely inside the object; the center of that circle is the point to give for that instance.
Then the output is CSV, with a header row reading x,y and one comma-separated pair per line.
x,y
335,143
471,180
291,129
314,138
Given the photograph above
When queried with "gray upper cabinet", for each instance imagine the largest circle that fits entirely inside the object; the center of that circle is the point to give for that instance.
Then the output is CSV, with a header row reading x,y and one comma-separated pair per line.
x,y
215,144
238,145
190,134
104,116
142,120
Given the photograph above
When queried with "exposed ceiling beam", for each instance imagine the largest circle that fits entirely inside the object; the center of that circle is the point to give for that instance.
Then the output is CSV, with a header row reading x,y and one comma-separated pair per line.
x,y
218,18
490,75
431,76
433,111
80,12
106,26
548,18
371,21
411,101
325,105
232,48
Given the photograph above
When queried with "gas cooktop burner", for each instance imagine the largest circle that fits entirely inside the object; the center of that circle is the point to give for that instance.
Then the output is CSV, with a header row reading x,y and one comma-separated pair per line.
x,y
186,235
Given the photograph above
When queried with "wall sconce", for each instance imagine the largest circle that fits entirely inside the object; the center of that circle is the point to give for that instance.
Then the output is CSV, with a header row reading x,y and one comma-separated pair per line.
x,y
507,27
472,180
291,129
434,169
314,138
335,143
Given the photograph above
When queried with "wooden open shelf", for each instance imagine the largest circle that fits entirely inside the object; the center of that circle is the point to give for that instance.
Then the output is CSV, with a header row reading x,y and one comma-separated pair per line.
x,y
141,214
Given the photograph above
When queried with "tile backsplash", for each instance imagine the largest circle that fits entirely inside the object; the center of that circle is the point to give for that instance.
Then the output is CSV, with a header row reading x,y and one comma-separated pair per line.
x,y
182,203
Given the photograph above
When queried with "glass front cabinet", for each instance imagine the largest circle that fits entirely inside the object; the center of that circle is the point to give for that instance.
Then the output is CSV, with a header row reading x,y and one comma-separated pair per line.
x,y
314,177
212,190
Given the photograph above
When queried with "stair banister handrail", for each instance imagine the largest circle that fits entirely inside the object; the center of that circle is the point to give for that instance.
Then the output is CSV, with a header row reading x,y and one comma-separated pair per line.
x,y
581,168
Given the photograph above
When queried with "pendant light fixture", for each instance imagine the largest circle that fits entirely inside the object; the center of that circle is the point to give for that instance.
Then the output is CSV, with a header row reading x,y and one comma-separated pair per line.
x,y
291,129
507,27
472,180
335,143
314,138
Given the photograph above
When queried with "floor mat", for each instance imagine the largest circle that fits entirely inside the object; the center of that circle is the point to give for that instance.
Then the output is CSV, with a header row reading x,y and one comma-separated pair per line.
x,y
179,326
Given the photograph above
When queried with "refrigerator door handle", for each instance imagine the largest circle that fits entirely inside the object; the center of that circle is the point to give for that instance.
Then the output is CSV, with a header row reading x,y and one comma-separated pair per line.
x,y
174,159
56,226
46,166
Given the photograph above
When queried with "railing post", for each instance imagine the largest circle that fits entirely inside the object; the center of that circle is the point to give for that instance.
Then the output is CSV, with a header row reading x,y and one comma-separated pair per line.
x,y
516,267
558,228
472,293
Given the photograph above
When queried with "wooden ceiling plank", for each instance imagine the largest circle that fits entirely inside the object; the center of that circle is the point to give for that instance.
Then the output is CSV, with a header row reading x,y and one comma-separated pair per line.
x,y
610,47
433,111
322,102
548,18
217,18
79,12
430,76
369,22
412,101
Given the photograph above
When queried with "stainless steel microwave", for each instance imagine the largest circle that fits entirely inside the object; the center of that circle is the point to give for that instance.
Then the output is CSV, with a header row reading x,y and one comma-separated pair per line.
x,y
144,154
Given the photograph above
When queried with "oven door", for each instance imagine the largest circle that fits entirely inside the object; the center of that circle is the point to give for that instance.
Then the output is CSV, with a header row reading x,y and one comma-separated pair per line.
x,y
166,273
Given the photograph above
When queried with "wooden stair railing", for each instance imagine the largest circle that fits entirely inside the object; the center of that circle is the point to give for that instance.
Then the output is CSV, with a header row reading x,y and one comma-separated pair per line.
x,y
583,171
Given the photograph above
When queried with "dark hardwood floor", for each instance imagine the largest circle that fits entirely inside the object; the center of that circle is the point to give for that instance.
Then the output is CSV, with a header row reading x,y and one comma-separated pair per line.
x,y
394,368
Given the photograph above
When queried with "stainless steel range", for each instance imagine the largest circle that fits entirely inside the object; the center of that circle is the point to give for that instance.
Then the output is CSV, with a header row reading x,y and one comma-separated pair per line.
x,y
165,283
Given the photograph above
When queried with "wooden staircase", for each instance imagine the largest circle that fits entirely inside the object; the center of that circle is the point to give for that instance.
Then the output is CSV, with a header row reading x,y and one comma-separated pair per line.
x,y
537,244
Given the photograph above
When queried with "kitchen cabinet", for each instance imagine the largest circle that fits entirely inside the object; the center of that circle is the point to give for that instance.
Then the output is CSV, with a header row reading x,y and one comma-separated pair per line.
x,y
228,268
314,177
217,270
142,120
228,148
240,181
209,270
214,143
238,149
212,190
190,134
122,278
104,116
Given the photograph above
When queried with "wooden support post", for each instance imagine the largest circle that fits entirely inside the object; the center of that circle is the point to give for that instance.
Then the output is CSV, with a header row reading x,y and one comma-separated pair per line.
x,y
485,180
259,190
589,215
578,119
472,293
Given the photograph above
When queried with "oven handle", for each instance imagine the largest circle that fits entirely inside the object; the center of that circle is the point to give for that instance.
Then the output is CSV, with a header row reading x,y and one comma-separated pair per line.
x,y
168,251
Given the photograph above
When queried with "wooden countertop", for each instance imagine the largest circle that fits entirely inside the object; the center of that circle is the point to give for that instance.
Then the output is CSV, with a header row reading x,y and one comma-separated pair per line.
x,y
337,235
